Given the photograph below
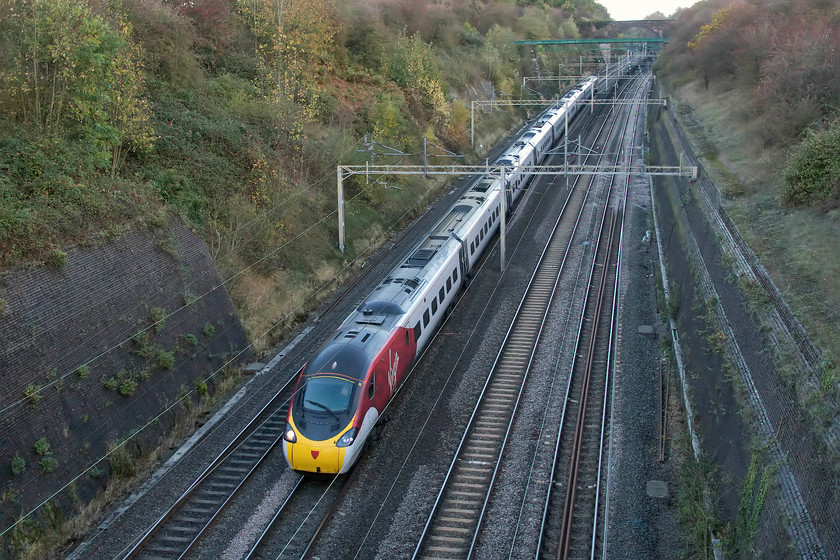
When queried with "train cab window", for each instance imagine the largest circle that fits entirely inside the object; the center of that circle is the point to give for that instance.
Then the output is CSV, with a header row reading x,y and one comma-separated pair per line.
x,y
426,318
448,284
417,331
372,386
455,275
441,294
434,305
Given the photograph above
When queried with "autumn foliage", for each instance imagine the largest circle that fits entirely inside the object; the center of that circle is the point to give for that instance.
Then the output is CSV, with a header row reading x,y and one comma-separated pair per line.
x,y
219,109
782,55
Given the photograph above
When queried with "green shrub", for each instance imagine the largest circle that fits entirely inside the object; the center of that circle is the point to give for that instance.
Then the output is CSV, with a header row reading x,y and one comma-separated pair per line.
x,y
18,465
42,446
208,329
141,344
48,464
83,371
157,317
110,383
56,258
812,173
191,339
127,387
164,359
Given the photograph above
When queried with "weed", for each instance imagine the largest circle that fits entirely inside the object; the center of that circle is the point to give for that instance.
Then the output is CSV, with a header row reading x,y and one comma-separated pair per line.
x,y
42,446
753,496
157,317
51,374
828,372
189,299
144,374
191,339
142,346
95,472
201,388
85,419
122,463
168,245
73,492
18,465
56,258
208,330
717,340
32,394
83,371
164,359
674,302
158,220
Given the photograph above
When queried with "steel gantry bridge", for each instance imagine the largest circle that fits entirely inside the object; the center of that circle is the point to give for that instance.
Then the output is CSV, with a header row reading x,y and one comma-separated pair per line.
x,y
343,171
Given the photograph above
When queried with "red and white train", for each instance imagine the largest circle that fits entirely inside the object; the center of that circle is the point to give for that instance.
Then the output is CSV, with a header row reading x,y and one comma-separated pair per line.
x,y
346,385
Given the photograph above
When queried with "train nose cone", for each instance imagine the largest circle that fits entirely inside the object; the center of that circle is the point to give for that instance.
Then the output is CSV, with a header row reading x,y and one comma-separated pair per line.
x,y
316,458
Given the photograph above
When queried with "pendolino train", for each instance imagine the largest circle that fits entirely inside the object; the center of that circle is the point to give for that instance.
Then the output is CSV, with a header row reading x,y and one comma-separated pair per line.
x,y
346,385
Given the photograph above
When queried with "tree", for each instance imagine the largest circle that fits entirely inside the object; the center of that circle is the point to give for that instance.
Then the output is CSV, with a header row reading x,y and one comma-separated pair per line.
x,y
71,72
294,39
413,66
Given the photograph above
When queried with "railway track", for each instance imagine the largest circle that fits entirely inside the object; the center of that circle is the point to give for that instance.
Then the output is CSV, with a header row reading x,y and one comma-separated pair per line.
x,y
454,523
299,520
177,531
571,513
568,519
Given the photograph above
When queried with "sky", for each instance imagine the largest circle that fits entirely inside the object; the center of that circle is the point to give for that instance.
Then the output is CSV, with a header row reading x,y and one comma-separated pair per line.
x,y
638,9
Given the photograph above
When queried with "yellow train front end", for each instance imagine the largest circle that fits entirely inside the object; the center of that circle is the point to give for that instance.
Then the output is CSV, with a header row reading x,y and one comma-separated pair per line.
x,y
312,456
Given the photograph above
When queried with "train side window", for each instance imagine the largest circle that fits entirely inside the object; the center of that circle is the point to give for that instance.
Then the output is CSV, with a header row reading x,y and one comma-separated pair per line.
x,y
441,294
434,305
407,338
426,318
372,386
455,275
448,284
417,331
472,248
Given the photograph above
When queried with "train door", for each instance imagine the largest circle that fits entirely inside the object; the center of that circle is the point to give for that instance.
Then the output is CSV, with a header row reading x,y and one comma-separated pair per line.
x,y
463,259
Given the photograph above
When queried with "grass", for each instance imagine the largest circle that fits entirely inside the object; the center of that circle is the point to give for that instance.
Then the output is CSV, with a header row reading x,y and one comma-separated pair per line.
x,y
794,244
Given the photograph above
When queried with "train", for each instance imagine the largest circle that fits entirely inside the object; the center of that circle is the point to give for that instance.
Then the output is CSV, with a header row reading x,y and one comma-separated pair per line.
x,y
345,386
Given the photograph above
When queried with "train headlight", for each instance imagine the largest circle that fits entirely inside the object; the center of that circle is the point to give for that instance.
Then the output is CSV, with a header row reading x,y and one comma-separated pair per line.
x,y
289,435
348,438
